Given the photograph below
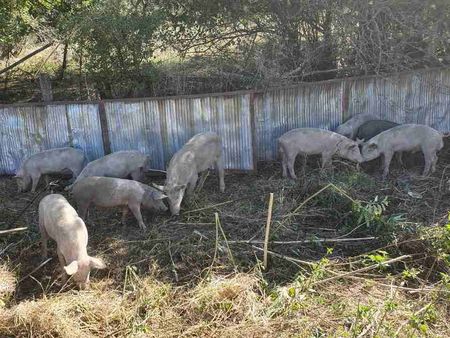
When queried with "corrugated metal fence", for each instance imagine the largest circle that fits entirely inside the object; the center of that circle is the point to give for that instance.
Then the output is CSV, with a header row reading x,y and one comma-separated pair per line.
x,y
249,122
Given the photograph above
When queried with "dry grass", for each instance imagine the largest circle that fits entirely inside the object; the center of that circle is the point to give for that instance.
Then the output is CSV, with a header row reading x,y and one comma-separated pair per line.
x,y
180,278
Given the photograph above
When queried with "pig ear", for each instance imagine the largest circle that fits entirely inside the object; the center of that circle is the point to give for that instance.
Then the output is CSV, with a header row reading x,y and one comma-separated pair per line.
x,y
181,187
96,263
156,195
159,196
188,156
157,187
359,141
72,268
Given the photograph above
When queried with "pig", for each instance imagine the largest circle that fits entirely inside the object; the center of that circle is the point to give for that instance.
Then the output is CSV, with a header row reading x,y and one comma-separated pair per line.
x,y
406,137
116,192
311,141
53,161
59,220
200,153
120,164
350,127
372,128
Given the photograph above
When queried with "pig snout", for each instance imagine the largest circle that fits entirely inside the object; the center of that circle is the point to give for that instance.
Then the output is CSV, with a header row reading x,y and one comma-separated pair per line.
x,y
161,206
175,209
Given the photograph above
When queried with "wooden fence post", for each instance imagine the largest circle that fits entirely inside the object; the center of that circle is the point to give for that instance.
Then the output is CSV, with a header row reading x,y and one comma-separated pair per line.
x,y
104,127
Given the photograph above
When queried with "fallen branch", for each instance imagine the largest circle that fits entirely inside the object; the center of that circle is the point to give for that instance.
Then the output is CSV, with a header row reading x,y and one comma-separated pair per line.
x,y
2,232
290,259
319,240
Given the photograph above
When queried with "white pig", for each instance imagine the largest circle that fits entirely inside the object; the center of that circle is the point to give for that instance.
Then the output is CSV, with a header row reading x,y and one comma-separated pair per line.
x,y
110,192
313,141
200,153
53,161
120,164
350,127
406,137
59,220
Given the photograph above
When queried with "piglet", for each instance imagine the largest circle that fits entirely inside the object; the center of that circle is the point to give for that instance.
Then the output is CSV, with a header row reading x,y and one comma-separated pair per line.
x,y
201,152
406,137
350,127
53,161
313,141
59,220
121,164
110,192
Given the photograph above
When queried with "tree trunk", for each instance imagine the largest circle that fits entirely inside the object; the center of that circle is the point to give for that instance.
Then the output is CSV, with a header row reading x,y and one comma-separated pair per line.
x,y
46,87
64,61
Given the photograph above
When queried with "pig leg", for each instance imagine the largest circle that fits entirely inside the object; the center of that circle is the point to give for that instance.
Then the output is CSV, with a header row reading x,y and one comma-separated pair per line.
x,y
387,158
429,159
136,211
283,165
192,184
433,163
35,179
290,165
75,172
400,158
326,160
124,214
138,174
62,264
47,180
220,173
305,160
44,239
83,208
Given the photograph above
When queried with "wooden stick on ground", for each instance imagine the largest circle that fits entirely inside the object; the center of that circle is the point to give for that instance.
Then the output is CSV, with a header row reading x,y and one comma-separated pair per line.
x,y
306,241
2,232
266,238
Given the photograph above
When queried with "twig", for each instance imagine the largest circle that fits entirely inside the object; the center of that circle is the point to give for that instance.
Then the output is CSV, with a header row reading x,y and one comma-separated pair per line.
x,y
404,288
216,216
174,269
290,259
407,321
266,238
2,232
367,268
320,240
34,270
208,207
216,246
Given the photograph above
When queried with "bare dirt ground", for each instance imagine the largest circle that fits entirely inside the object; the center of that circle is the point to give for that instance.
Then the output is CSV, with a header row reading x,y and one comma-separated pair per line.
x,y
183,250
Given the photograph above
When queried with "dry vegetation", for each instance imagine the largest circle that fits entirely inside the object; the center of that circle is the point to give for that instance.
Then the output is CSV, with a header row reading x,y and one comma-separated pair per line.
x,y
195,275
